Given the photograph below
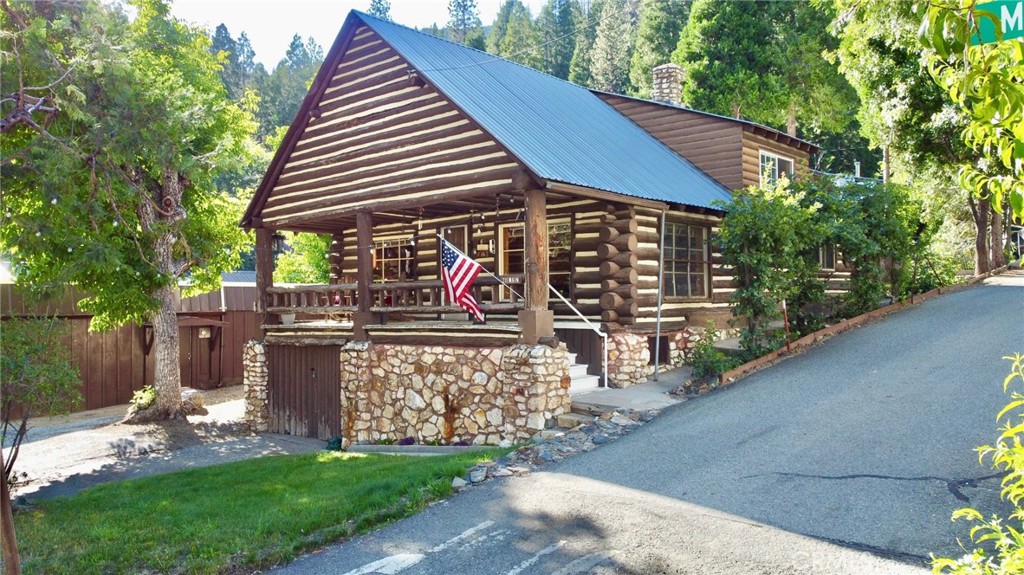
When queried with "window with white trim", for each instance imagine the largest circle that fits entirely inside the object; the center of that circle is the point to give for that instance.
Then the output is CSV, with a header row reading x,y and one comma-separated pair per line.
x,y
512,253
394,260
773,167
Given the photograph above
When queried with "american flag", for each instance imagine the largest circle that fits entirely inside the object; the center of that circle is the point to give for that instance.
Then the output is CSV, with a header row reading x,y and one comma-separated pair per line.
x,y
459,271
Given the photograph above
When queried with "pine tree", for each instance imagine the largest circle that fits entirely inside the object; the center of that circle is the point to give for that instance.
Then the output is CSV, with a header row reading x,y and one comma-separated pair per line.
x,y
223,44
613,43
661,21
730,58
557,24
500,24
463,20
521,38
581,63
381,9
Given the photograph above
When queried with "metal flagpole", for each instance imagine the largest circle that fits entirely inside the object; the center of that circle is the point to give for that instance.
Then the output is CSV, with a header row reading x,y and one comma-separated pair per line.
x,y
495,276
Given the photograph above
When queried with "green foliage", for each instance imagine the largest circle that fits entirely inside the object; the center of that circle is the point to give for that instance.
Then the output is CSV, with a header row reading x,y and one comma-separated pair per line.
x,y
557,23
464,21
206,521
37,376
521,38
281,92
1000,543
142,399
381,9
705,359
613,45
766,236
581,63
657,35
80,197
306,262
986,83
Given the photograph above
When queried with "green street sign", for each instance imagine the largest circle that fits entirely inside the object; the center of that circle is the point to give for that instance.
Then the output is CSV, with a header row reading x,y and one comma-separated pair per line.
x,y
1009,13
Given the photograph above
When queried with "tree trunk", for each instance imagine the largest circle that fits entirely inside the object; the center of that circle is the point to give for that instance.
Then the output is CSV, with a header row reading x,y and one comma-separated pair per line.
x,y
979,211
791,120
998,256
167,349
12,561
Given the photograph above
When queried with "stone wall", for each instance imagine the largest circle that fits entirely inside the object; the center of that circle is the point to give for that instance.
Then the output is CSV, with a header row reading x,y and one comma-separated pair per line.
x,y
255,377
629,359
451,394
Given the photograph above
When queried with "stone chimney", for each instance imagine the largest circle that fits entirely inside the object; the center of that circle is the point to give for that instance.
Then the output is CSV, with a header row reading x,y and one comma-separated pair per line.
x,y
668,84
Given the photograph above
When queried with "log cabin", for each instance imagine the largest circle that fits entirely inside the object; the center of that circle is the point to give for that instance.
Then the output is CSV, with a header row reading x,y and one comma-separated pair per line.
x,y
594,228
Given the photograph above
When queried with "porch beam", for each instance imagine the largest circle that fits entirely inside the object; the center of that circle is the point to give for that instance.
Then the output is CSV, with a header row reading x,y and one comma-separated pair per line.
x,y
592,193
364,260
536,321
264,274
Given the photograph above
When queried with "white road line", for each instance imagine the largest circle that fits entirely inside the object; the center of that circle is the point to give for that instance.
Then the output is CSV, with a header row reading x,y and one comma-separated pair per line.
x,y
585,563
398,563
388,565
467,533
546,551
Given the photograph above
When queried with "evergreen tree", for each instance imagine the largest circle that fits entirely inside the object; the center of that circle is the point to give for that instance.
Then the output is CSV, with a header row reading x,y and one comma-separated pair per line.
x,y
250,71
521,38
557,24
580,65
500,24
222,45
381,9
284,89
613,44
463,21
661,22
730,59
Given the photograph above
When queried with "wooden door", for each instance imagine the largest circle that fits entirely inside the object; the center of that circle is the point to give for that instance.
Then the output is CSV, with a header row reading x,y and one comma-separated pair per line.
x,y
304,391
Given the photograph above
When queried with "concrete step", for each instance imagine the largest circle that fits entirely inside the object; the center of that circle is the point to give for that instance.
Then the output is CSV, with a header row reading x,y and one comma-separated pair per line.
x,y
584,384
578,370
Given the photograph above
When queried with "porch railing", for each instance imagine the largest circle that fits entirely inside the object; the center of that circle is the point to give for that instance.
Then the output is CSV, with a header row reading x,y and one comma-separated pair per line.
x,y
425,296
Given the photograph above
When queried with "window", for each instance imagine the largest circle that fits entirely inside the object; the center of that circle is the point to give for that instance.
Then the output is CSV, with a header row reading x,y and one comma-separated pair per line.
x,y
827,256
687,265
393,260
512,254
457,236
774,167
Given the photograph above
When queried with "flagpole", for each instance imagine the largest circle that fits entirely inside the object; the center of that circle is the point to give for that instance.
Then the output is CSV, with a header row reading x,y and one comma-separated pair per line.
x,y
495,276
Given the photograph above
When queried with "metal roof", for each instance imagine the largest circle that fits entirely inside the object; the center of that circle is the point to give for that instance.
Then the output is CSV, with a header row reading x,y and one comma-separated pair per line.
x,y
808,146
560,131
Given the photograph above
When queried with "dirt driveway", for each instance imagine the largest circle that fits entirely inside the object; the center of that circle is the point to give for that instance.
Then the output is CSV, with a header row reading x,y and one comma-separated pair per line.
x,y
63,455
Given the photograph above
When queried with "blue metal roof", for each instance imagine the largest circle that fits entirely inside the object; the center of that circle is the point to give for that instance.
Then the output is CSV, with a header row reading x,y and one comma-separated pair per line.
x,y
560,131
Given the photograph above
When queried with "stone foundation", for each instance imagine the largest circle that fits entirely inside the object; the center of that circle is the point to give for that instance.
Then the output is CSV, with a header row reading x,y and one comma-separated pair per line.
x,y
255,377
489,395
629,359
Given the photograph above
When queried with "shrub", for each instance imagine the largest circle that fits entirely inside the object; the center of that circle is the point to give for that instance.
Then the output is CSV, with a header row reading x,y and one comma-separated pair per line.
x,y
1000,545
705,359
142,399
38,377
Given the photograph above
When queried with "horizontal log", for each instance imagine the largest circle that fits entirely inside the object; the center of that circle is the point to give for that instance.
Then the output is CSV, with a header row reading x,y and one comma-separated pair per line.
x,y
607,251
485,307
592,260
623,307
316,309
626,242
624,291
302,288
611,285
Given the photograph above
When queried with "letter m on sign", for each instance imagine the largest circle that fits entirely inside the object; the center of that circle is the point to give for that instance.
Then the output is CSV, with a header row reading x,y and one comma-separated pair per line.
x,y
1008,13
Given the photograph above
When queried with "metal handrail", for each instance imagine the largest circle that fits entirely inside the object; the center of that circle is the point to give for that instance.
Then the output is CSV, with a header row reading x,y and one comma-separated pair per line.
x,y
597,330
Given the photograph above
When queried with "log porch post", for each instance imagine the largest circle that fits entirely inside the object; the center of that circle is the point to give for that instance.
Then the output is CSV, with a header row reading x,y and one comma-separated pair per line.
x,y
264,275
364,259
536,321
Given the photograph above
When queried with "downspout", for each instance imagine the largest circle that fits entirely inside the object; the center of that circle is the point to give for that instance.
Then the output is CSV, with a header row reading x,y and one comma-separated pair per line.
x,y
661,280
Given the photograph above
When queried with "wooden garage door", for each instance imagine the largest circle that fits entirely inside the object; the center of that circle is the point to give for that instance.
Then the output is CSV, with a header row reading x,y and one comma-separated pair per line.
x,y
304,390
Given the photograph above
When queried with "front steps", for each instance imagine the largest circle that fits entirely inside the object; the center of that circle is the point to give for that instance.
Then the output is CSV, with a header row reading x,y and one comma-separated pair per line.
x,y
581,381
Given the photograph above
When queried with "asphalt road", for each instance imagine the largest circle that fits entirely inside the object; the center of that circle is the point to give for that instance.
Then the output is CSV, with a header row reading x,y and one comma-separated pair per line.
x,y
847,459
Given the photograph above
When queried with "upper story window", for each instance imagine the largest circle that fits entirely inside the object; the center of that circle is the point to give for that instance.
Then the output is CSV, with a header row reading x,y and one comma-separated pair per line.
x,y
827,257
774,167
687,263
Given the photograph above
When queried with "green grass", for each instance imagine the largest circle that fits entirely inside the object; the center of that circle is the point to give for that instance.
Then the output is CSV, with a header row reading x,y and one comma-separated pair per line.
x,y
223,518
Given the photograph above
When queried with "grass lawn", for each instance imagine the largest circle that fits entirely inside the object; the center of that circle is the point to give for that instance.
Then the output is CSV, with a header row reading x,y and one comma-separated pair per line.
x,y
230,517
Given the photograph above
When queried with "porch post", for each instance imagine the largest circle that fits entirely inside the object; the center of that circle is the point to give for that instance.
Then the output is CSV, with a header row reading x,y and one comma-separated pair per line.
x,y
364,259
536,321
264,275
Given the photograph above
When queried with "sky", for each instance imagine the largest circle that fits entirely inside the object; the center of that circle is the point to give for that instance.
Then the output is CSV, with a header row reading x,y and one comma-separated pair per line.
x,y
270,24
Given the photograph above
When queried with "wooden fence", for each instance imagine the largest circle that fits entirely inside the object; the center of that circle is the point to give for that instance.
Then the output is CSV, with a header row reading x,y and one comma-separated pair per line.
x,y
114,364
